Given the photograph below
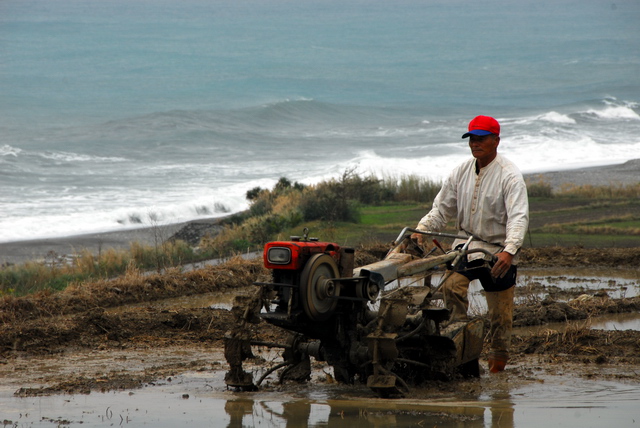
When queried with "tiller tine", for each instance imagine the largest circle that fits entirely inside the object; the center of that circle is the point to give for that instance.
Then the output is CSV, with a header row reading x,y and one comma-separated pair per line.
x,y
384,385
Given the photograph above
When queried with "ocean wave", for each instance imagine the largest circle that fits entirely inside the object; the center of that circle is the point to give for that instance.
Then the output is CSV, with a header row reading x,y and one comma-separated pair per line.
x,y
609,109
182,165
123,209
311,114
78,157
556,117
166,121
613,113
7,150
563,151
435,168
264,117
613,109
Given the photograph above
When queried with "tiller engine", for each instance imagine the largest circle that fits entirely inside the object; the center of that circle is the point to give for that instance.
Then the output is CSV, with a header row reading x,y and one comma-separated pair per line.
x,y
364,322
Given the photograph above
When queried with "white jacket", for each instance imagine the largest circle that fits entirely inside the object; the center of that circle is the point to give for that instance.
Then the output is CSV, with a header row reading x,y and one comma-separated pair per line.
x,y
491,204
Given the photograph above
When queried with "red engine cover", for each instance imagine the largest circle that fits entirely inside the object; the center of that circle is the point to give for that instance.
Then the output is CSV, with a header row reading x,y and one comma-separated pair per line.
x,y
300,251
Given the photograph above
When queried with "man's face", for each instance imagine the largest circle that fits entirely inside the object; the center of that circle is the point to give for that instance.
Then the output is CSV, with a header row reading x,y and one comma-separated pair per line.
x,y
484,147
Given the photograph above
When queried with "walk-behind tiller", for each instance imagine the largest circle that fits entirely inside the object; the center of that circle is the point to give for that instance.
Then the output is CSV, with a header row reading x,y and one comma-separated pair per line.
x,y
365,322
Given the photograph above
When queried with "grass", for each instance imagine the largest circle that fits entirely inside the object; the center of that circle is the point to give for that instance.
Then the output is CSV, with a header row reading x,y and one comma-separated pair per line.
x,y
380,223
581,240
392,214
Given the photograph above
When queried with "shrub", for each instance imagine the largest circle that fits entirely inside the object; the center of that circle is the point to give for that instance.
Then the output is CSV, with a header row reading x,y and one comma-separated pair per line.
x,y
327,202
253,194
540,189
410,188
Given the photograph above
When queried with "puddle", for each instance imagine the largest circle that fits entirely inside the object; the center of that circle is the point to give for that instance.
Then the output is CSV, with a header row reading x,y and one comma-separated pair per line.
x,y
630,321
617,284
536,285
197,399
214,300
610,322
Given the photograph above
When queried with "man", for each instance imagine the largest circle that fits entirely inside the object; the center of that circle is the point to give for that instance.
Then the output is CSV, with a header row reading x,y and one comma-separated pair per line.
x,y
488,198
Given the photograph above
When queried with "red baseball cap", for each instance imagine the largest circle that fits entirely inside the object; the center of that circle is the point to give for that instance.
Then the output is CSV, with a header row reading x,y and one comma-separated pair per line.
x,y
483,125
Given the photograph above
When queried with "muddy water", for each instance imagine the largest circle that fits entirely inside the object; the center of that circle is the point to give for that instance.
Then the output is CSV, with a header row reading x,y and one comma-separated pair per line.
x,y
522,398
610,322
216,300
616,283
536,285
567,284
617,322
531,393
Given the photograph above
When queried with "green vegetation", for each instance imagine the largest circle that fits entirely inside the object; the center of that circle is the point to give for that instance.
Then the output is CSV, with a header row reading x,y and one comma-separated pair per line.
x,y
350,210
587,216
339,208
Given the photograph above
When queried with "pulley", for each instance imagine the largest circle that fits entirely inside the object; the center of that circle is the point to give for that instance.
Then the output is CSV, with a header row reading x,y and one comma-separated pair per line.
x,y
317,288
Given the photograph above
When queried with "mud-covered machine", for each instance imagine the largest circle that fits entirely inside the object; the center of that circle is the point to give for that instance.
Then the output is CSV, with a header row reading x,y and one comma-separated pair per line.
x,y
381,324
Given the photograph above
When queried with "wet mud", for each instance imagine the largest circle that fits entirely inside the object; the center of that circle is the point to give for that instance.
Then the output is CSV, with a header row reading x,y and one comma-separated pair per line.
x,y
159,339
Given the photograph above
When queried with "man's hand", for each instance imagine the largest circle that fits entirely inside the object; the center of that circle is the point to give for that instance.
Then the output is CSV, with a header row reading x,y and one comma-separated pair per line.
x,y
503,264
418,237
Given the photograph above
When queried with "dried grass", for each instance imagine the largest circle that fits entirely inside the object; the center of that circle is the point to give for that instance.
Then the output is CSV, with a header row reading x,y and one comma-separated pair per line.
x,y
612,191
133,287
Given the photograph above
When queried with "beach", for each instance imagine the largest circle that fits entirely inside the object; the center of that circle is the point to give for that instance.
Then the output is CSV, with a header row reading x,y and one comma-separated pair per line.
x,y
57,248
627,173
624,174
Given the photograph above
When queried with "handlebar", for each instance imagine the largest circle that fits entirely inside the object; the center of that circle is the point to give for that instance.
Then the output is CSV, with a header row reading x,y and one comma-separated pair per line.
x,y
442,235
465,248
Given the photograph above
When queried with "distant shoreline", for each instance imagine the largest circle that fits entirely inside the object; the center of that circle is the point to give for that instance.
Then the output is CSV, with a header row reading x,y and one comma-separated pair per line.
x,y
627,173
38,249
18,252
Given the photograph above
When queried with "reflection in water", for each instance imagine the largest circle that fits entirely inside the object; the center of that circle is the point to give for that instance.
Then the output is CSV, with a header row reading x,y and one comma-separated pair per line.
x,y
237,410
507,400
370,414
617,284
625,321
502,410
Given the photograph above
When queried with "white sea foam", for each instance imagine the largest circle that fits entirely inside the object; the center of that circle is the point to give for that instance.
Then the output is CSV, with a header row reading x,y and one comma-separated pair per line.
x,y
78,157
74,215
556,117
7,150
543,153
434,168
614,112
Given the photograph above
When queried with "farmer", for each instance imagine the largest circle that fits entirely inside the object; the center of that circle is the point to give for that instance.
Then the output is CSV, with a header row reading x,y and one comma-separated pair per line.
x,y
487,196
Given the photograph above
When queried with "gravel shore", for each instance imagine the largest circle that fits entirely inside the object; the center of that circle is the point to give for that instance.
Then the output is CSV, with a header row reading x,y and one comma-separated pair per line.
x,y
624,174
38,249
19,252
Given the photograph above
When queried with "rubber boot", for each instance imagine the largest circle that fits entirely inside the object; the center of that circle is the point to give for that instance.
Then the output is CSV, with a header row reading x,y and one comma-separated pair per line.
x,y
497,361
500,312
455,290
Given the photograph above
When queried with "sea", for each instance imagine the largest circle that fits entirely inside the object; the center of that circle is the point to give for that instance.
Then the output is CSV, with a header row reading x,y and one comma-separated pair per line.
x,y
121,114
